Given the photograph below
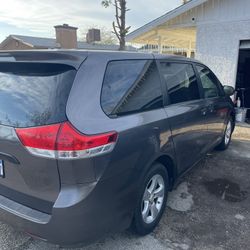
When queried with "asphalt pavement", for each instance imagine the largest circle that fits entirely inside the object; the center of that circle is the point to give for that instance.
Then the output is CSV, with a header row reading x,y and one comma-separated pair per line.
x,y
210,209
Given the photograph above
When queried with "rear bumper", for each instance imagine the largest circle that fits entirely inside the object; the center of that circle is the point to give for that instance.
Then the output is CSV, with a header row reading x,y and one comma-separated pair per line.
x,y
81,214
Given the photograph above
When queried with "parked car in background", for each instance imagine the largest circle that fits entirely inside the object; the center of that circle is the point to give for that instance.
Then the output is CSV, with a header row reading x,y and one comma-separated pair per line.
x,y
92,142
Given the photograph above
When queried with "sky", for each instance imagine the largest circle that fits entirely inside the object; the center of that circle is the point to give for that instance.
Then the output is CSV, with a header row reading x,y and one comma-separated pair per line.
x,y
37,18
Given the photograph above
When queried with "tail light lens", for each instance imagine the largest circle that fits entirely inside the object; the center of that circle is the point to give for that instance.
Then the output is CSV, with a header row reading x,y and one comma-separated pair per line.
x,y
63,141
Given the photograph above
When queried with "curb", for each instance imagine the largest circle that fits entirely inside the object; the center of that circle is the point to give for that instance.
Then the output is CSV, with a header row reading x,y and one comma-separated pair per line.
x,y
241,133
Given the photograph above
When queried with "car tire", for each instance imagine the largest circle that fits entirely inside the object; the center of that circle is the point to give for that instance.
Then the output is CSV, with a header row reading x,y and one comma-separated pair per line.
x,y
227,136
151,202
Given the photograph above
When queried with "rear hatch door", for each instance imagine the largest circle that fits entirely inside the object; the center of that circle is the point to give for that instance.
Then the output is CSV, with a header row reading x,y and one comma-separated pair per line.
x,y
31,95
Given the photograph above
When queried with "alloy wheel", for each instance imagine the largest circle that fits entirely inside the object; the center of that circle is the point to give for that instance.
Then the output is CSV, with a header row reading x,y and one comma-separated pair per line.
x,y
153,198
228,133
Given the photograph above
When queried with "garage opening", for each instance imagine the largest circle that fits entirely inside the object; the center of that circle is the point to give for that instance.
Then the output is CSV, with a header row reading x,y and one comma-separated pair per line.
x,y
243,78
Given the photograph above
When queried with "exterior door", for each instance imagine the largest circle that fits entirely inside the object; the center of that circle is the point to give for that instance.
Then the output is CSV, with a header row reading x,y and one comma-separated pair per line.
x,y
185,111
217,108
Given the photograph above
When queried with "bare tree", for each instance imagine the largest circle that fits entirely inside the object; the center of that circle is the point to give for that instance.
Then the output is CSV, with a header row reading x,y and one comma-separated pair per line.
x,y
119,26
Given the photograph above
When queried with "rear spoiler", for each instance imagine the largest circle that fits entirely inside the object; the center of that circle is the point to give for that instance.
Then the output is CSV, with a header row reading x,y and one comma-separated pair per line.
x,y
71,58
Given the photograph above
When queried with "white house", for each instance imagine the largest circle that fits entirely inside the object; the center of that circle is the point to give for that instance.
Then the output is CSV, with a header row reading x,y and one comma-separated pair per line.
x,y
216,32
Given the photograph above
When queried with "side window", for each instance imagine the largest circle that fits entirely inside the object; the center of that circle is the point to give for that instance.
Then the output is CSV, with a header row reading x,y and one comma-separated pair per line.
x,y
131,86
181,82
209,82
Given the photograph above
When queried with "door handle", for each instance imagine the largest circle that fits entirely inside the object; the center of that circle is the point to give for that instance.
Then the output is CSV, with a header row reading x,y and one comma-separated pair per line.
x,y
211,108
204,111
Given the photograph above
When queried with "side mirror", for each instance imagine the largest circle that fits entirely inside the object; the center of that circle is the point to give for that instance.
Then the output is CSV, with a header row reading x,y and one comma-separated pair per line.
x,y
229,90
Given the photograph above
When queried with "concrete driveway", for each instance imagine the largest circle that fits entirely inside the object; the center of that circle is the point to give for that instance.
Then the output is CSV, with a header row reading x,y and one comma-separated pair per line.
x,y
208,210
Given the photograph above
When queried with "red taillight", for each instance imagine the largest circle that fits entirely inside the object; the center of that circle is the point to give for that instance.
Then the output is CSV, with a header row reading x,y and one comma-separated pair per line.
x,y
63,141
39,137
70,139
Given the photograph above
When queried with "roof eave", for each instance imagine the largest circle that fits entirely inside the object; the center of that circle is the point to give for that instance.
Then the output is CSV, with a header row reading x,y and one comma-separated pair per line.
x,y
20,40
4,42
163,19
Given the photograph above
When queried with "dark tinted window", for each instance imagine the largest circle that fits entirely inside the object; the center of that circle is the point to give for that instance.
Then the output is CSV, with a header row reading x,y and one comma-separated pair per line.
x,y
34,94
209,82
181,82
131,86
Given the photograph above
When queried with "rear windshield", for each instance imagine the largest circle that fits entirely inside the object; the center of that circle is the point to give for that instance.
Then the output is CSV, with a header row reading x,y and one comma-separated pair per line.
x,y
34,94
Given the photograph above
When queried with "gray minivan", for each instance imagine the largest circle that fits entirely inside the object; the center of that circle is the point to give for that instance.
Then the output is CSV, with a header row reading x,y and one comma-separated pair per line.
x,y
91,142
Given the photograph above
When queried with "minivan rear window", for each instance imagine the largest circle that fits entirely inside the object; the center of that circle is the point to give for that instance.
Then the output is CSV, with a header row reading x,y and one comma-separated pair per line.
x,y
34,94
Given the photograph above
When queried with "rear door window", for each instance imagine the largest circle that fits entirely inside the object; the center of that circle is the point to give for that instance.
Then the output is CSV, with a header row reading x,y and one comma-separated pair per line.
x,y
131,86
34,94
181,82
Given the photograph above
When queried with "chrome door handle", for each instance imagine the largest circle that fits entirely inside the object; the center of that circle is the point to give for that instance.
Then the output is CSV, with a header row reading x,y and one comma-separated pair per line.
x,y
211,108
204,111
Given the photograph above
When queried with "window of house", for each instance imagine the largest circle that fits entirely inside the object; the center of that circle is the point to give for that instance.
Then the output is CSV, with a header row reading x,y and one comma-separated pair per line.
x,y
181,82
131,86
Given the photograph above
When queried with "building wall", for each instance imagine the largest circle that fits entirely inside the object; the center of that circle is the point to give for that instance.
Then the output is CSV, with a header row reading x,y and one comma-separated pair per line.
x,y
213,11
218,46
13,44
221,25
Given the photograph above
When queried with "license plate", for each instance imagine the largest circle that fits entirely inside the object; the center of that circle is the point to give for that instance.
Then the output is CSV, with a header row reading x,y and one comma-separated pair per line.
x,y
1,169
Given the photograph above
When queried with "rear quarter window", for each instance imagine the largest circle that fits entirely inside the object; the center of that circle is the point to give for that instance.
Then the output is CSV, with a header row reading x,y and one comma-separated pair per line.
x,y
131,86
34,94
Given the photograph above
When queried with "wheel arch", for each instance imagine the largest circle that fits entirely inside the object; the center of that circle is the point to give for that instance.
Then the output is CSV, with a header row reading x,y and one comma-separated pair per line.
x,y
233,116
169,164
